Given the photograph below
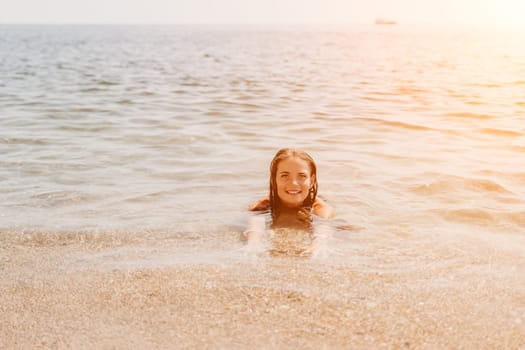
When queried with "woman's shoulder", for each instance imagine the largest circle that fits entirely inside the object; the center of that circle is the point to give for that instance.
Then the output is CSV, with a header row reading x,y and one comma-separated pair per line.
x,y
323,209
261,204
320,207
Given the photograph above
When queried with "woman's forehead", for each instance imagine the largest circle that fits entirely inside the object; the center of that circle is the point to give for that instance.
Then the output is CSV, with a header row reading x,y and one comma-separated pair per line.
x,y
293,164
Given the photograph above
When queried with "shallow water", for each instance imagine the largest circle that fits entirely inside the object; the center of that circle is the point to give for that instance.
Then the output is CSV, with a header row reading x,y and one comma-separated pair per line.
x,y
144,131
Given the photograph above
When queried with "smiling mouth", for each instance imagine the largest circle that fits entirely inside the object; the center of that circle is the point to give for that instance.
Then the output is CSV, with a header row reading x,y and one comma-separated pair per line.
x,y
294,192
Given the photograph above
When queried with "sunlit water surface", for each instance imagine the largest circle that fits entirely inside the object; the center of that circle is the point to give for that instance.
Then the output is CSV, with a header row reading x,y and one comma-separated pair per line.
x,y
155,132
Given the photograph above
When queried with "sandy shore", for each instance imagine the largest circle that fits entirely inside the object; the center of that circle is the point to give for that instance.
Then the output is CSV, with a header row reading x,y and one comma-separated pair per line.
x,y
79,294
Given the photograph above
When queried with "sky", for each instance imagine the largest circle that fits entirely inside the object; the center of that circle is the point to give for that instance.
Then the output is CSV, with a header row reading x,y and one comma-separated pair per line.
x,y
479,12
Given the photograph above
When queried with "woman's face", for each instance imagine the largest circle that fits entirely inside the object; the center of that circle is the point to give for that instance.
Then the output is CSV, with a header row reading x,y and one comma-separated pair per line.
x,y
293,179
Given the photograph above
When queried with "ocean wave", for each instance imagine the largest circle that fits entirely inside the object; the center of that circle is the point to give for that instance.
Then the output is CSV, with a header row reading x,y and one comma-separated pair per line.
x,y
39,238
236,104
91,128
411,90
490,219
396,124
151,197
120,237
501,132
458,184
62,198
469,115
125,101
468,215
24,141
107,83
488,85
519,177
475,102
517,218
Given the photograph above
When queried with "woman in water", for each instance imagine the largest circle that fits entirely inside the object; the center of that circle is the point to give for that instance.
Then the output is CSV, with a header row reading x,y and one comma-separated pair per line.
x,y
293,195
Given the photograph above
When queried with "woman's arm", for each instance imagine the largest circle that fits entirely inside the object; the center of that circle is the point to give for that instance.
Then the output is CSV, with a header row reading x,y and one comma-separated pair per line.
x,y
253,235
261,204
256,223
323,209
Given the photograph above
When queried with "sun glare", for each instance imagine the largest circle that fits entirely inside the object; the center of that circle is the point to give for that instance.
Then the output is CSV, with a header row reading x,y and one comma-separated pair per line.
x,y
503,13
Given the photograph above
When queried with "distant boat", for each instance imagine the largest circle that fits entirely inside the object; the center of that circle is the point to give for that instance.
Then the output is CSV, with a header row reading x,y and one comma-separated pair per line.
x,y
384,21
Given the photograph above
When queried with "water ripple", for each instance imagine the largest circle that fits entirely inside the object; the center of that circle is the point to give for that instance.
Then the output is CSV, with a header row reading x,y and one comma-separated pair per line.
x,y
158,125
458,184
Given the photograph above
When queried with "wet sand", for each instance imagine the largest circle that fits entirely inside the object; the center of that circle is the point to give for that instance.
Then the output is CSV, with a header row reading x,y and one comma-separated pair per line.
x,y
79,292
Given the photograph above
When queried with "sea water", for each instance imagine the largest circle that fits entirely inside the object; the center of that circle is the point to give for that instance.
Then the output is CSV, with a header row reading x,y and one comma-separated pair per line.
x,y
143,130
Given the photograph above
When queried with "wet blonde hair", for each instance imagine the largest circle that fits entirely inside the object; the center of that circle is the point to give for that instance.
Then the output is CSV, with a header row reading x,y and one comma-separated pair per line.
x,y
282,154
